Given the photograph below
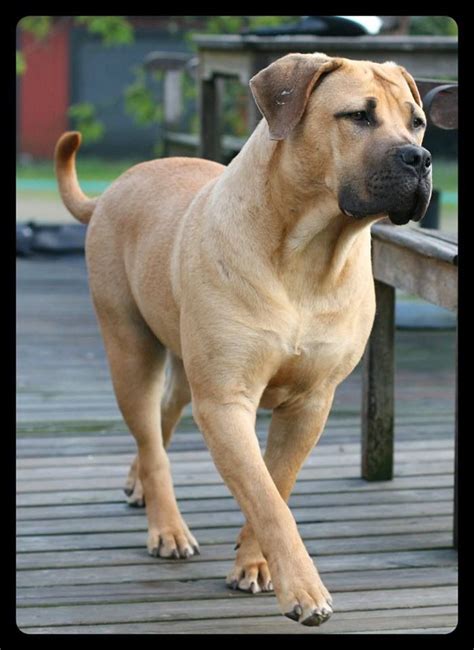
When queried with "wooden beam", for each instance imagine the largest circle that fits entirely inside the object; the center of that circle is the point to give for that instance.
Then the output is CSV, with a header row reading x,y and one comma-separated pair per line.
x,y
432,279
209,145
378,390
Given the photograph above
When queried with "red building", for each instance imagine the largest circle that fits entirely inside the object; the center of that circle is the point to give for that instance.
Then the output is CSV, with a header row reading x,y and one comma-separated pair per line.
x,y
71,66
44,90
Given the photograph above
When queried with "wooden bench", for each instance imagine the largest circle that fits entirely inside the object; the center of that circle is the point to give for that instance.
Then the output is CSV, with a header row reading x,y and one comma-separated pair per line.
x,y
423,263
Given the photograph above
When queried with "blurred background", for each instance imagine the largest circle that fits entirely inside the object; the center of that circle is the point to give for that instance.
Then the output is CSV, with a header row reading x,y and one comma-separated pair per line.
x,y
98,74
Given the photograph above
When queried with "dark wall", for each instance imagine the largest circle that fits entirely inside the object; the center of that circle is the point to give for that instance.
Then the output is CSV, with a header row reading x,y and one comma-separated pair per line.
x,y
99,75
441,143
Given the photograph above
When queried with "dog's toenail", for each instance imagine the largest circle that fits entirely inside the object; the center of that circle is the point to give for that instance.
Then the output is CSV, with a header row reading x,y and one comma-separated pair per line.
x,y
175,554
234,584
236,547
295,613
196,549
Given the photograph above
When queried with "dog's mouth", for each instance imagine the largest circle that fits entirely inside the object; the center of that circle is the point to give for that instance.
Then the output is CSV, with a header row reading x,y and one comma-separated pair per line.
x,y
402,202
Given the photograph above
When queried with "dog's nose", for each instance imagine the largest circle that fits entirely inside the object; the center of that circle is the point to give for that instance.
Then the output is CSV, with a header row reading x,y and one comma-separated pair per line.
x,y
416,157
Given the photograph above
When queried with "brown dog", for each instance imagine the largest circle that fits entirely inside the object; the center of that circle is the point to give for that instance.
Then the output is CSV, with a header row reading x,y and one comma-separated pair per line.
x,y
253,282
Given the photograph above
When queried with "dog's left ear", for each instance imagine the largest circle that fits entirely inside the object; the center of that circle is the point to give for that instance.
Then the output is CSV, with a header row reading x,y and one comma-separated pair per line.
x,y
281,90
411,83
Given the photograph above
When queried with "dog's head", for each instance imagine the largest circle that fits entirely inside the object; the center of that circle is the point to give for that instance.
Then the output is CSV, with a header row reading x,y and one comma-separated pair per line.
x,y
354,127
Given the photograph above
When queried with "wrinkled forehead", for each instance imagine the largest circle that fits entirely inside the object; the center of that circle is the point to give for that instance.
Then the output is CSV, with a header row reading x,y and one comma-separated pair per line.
x,y
360,79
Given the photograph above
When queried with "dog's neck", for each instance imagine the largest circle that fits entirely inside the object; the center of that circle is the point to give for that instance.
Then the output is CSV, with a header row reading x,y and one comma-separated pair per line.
x,y
289,222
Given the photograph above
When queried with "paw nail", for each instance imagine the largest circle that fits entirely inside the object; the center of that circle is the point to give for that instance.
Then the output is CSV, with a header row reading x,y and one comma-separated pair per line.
x,y
253,587
234,584
237,546
175,554
128,491
295,613
196,550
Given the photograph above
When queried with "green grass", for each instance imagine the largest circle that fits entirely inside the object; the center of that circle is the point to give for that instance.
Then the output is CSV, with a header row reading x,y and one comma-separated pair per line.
x,y
445,172
445,175
445,178
87,168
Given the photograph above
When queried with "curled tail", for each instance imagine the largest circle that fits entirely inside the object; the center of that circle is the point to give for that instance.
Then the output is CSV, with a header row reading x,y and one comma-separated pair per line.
x,y
78,204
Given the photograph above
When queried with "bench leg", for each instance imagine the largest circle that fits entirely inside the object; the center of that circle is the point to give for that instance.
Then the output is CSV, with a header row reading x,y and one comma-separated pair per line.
x,y
209,145
378,390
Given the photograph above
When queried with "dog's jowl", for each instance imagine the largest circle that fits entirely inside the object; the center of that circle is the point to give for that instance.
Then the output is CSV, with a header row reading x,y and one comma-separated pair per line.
x,y
253,284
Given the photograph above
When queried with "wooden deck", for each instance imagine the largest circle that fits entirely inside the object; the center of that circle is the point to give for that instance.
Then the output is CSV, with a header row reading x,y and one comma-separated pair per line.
x,y
383,549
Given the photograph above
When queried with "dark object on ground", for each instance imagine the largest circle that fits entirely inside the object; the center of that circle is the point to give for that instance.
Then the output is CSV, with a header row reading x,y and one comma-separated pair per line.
x,y
56,238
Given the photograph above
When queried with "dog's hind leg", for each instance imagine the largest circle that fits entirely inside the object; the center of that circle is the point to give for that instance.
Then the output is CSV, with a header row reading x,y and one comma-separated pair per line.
x,y
176,396
137,365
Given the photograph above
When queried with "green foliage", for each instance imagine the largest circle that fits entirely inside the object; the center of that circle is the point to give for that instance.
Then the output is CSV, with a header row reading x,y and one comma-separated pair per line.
x,y
139,100
39,26
235,96
20,63
433,25
85,121
234,24
114,30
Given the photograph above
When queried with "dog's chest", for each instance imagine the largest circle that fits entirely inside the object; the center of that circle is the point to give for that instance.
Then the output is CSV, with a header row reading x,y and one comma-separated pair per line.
x,y
316,350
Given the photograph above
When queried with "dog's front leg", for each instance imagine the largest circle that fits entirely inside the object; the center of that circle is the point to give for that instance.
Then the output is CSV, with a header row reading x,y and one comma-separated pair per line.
x,y
294,430
228,425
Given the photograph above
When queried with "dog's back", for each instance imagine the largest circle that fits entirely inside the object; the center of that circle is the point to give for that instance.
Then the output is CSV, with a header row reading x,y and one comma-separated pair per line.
x,y
132,229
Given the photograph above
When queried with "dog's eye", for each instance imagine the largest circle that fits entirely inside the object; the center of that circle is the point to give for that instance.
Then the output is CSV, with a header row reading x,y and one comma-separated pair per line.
x,y
417,122
359,116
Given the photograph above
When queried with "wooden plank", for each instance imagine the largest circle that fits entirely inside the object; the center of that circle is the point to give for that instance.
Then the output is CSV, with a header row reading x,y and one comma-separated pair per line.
x,y
203,464
261,625
211,519
334,561
126,592
212,477
325,451
225,504
123,459
66,434
226,607
328,486
434,280
228,534
331,546
427,243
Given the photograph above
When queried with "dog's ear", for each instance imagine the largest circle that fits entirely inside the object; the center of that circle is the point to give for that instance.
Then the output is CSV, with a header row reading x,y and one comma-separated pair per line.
x,y
411,83
281,90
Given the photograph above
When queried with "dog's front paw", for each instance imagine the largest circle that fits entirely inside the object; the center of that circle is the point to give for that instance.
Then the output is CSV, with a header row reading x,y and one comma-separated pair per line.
x,y
302,595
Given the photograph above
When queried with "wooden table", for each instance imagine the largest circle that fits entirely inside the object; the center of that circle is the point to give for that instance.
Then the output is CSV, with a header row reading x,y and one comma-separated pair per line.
x,y
243,56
